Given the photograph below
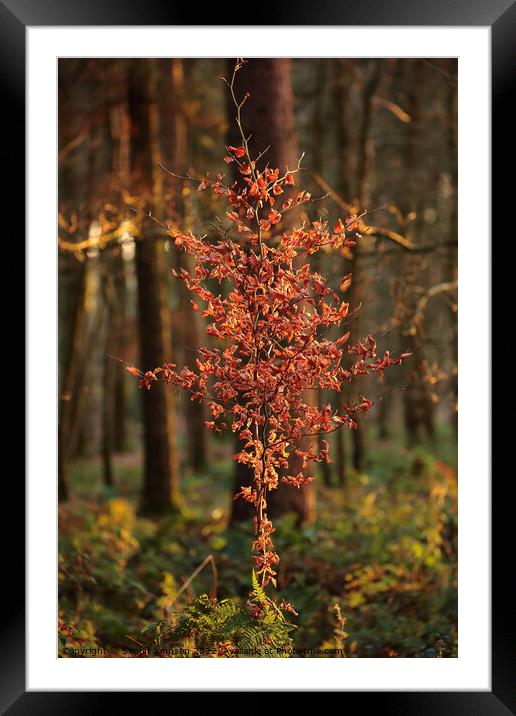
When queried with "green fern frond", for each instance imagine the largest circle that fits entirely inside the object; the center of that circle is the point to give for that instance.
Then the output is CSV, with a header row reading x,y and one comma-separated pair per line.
x,y
206,623
258,593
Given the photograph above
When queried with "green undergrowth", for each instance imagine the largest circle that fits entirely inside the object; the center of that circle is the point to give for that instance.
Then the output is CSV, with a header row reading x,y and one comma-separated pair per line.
x,y
374,576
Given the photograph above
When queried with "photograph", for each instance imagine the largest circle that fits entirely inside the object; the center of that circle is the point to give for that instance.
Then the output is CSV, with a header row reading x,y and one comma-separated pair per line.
x,y
258,375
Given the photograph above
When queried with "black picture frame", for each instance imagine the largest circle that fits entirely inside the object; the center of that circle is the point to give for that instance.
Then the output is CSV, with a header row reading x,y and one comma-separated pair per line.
x,y
15,17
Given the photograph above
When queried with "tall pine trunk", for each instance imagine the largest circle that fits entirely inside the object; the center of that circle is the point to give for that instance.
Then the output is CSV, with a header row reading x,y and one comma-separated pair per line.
x,y
160,490
268,116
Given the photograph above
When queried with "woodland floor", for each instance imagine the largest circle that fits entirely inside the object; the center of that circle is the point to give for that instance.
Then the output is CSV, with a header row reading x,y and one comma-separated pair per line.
x,y
384,549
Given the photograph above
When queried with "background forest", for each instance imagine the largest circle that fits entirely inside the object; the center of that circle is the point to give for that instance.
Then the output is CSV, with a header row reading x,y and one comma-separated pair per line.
x,y
147,522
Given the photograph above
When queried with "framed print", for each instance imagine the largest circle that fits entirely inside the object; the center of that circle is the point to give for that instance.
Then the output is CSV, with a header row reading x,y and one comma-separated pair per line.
x,y
258,298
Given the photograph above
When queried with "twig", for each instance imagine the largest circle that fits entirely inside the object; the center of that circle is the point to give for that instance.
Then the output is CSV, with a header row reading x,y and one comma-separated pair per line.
x,y
209,559
362,226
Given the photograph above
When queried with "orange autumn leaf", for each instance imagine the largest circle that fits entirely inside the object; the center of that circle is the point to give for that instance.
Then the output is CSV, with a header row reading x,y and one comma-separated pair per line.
x,y
237,151
345,282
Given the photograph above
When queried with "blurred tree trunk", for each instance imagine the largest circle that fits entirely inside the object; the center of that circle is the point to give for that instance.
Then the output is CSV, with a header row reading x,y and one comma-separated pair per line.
x,y
113,302
111,368
74,171
188,331
120,135
383,419
319,124
98,189
94,323
341,86
269,116
106,163
68,383
160,490
120,406
418,406
362,192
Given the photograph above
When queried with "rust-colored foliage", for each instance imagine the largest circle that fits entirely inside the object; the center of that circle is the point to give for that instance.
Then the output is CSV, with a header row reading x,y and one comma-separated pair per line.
x,y
273,326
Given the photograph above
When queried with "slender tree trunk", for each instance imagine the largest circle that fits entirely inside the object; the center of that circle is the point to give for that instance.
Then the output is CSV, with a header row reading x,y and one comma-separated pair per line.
x,y
383,419
120,134
319,123
269,116
74,169
160,490
341,84
107,425
418,406
69,382
188,327
92,338
111,368
362,191
99,165
120,395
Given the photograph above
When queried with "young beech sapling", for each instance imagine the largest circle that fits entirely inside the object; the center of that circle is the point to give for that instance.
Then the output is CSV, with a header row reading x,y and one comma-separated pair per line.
x,y
273,326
